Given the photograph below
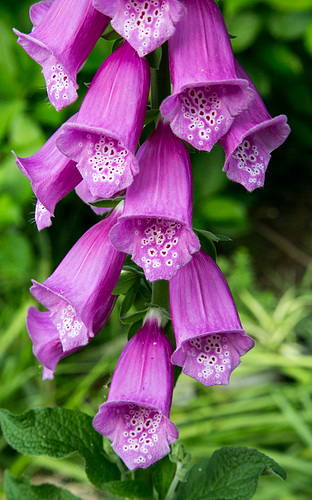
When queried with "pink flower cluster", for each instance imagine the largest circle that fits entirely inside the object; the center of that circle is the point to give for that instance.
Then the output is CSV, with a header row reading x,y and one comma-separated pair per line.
x,y
212,99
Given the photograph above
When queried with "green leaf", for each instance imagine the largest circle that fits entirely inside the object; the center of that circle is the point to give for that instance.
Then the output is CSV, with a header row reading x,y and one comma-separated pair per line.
x,y
134,328
58,432
162,474
230,473
128,301
108,203
151,115
135,490
17,488
134,317
208,246
126,281
111,35
208,234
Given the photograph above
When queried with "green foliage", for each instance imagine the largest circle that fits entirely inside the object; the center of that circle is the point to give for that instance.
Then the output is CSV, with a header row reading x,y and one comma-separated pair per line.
x,y
17,488
58,433
230,473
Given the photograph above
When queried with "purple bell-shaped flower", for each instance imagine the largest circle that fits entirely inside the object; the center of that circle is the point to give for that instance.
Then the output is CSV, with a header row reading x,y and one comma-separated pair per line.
x,y
145,25
79,292
52,176
156,224
250,140
109,123
207,94
135,416
209,336
63,35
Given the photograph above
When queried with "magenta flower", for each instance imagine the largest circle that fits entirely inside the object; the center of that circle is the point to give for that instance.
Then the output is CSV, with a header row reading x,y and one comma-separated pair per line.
x,y
156,224
145,25
250,140
206,91
104,137
135,416
52,176
79,292
64,34
209,336
45,337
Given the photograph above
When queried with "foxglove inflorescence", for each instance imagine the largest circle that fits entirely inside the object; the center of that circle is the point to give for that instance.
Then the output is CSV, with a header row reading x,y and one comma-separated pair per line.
x,y
102,153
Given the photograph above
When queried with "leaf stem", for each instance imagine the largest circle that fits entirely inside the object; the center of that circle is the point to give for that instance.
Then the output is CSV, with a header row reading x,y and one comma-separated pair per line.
x,y
174,483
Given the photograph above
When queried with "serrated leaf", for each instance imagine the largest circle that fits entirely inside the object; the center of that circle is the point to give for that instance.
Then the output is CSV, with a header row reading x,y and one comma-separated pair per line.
x,y
134,317
108,203
135,490
59,432
230,473
17,488
126,281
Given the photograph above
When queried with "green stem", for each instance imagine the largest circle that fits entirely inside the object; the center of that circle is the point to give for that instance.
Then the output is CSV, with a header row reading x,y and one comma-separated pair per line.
x,y
174,483
160,89
160,294
160,80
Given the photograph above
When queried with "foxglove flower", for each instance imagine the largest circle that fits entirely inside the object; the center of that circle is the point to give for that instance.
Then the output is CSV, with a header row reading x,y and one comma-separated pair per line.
x,y
145,25
104,137
206,91
64,34
209,336
45,337
135,416
52,176
250,140
156,224
79,292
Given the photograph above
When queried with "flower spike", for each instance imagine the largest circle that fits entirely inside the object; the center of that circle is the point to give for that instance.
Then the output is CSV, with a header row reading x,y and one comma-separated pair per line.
x,y
206,91
145,25
64,34
104,137
209,336
135,416
79,292
156,224
250,140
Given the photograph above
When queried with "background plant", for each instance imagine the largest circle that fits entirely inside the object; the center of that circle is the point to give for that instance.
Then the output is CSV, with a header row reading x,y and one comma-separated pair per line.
x,y
267,404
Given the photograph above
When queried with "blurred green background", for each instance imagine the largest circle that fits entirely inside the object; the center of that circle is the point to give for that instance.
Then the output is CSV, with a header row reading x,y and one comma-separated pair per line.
x,y
268,262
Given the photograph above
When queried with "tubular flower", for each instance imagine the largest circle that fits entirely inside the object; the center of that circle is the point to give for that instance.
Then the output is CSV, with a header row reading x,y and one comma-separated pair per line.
x,y
52,176
104,137
250,140
45,337
156,224
135,416
64,34
209,336
145,25
206,91
79,292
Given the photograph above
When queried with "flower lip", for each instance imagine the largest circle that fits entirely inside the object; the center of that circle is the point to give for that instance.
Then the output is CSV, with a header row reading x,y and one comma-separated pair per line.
x,y
277,122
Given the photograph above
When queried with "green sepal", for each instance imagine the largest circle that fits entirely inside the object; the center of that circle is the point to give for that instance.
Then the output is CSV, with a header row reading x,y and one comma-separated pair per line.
x,y
108,203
